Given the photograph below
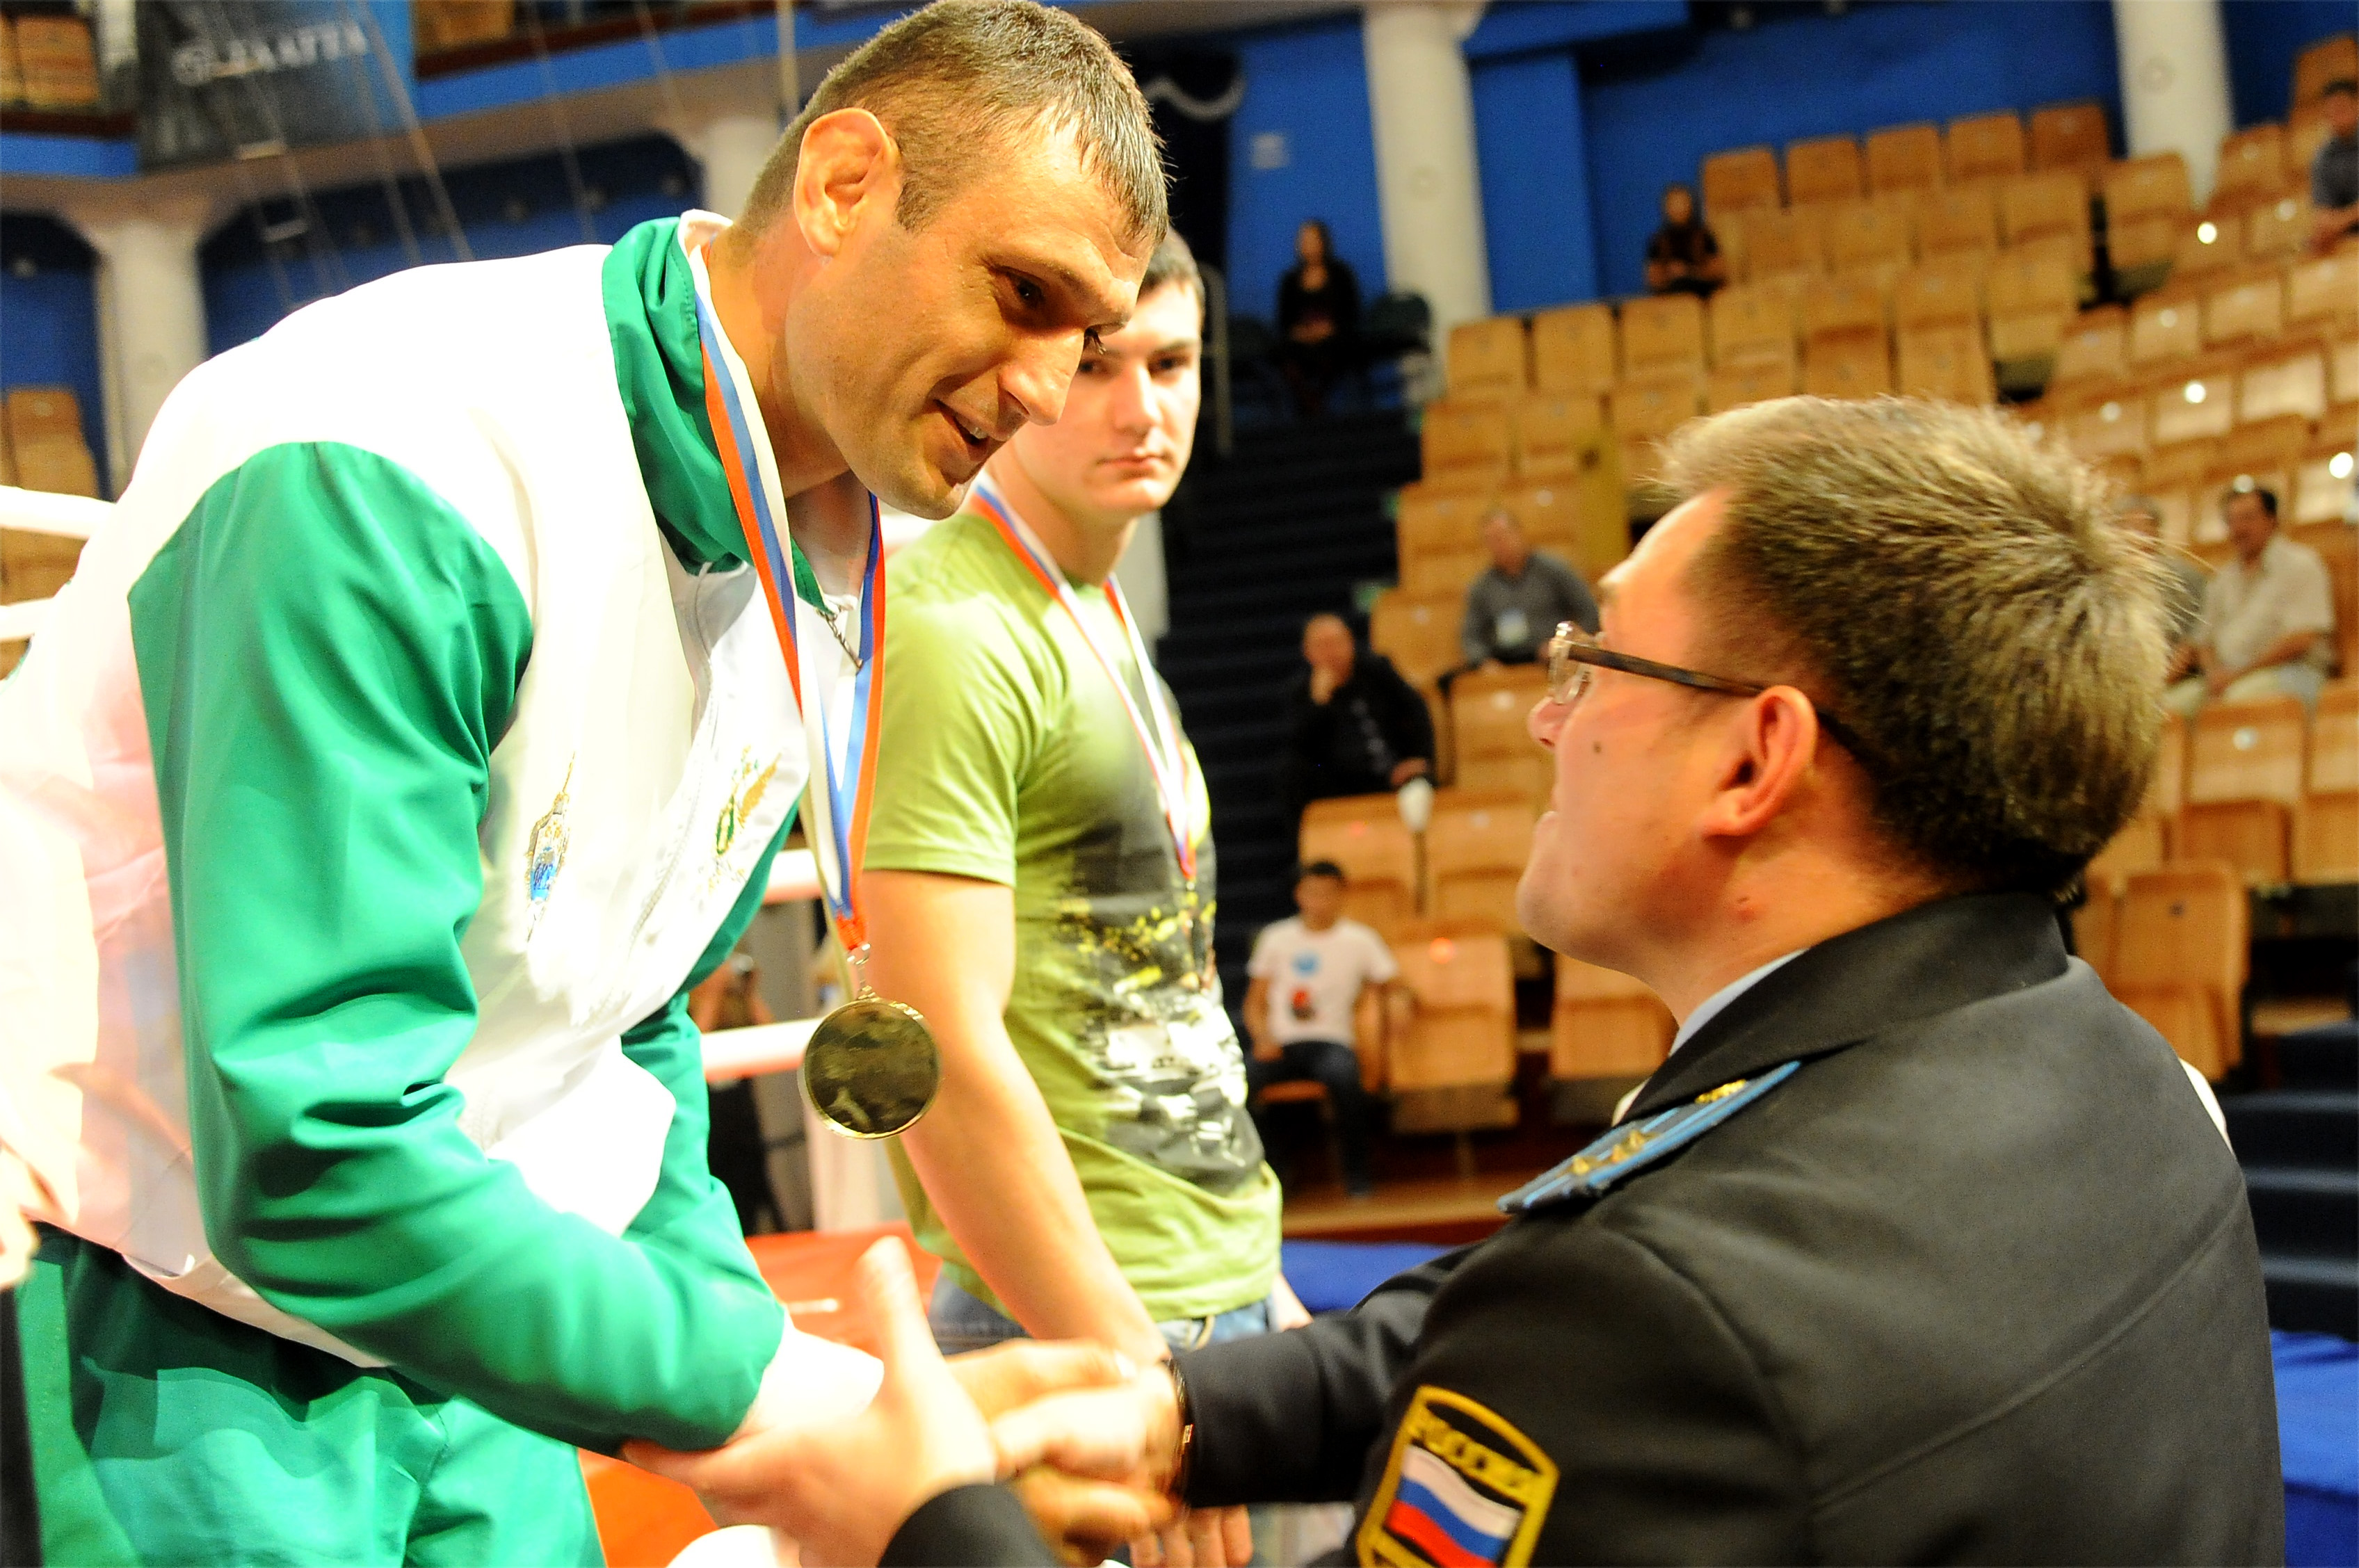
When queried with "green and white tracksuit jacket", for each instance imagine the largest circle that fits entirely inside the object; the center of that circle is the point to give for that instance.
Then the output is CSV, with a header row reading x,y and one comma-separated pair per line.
x,y
408,741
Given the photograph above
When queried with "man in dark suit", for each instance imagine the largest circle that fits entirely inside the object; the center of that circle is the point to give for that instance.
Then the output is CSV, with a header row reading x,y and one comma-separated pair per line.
x,y
1918,1248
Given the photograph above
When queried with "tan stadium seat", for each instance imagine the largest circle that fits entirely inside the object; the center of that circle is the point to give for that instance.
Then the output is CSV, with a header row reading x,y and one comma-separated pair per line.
x,y
1937,292
2244,783
2282,384
2114,427
1823,168
1548,510
1461,1035
2097,923
1903,158
2046,206
1656,405
1431,521
1848,367
1443,573
2070,135
1572,348
1743,179
1604,1024
2342,381
1490,357
1467,442
1751,322
1558,434
1749,381
1869,233
2329,59
1984,147
2272,443
1363,834
2337,544
1842,307
35,565
2320,494
1948,363
1784,244
1662,332
2207,248
1475,847
2193,409
2326,832
2181,954
1488,708
2252,168
1957,222
2033,296
2323,289
2162,330
2096,349
2142,845
2253,308
2279,228
46,441
1419,635
2155,183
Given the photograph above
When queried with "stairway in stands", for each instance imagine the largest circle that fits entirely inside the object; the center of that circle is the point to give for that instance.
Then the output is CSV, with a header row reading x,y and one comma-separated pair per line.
x,y
2300,1147
1285,526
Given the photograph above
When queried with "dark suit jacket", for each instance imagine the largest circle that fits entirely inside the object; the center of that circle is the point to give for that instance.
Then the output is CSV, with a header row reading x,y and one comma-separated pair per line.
x,y
1975,1283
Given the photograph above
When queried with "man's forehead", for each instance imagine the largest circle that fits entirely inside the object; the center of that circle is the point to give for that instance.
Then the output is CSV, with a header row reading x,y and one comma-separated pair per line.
x,y
1167,319
1660,559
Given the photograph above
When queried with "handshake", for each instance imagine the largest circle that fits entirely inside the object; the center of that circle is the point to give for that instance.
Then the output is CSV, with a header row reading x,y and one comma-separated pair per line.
x,y
1086,1439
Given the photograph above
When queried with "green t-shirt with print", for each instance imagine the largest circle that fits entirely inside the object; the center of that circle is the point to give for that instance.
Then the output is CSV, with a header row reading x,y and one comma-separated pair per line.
x,y
1007,756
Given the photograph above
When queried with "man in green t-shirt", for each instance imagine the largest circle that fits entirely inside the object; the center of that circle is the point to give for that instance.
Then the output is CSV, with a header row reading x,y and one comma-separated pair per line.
x,y
1040,886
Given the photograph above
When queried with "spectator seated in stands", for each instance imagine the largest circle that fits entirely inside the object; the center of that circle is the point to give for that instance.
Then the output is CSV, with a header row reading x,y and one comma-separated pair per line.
x,y
1513,607
2268,617
1308,973
2189,581
1683,257
1318,318
2334,172
1352,725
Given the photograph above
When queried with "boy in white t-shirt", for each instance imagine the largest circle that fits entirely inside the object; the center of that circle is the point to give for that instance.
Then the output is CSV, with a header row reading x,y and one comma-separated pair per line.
x,y
1308,973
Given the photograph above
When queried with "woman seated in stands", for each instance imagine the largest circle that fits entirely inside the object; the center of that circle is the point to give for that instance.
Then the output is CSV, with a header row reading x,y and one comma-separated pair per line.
x,y
1683,257
1318,318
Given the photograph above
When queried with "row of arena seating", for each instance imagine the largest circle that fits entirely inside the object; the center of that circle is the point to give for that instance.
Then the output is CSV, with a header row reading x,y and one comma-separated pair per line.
x,y
2173,944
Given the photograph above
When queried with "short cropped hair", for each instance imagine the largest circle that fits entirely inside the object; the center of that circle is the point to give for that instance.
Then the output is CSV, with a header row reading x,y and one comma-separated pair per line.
x,y
1320,868
1173,261
955,82
1961,595
2260,492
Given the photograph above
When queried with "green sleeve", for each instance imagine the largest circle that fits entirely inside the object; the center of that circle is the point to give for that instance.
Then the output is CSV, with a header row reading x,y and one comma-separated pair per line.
x,y
328,654
960,728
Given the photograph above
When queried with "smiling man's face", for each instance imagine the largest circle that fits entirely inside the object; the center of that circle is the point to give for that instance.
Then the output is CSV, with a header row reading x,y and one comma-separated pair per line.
x,y
927,350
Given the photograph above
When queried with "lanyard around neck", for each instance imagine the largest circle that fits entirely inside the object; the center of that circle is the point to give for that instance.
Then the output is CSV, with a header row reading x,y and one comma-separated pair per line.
x,y
839,803
1166,759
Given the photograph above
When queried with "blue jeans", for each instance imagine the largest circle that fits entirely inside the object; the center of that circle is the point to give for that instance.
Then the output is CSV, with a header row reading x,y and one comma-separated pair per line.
x,y
963,1321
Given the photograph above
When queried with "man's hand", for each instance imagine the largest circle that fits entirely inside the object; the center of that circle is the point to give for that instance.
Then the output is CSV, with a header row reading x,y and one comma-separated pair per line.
x,y
1323,683
842,1489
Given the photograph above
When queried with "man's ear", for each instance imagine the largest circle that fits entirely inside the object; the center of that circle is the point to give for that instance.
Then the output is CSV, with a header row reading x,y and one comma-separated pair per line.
x,y
1768,766
849,164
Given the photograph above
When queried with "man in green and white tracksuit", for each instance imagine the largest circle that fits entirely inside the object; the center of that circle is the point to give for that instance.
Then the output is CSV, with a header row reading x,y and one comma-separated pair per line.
x,y
409,743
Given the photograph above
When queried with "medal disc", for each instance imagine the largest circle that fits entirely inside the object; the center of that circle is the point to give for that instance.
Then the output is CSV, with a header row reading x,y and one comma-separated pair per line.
x,y
870,1068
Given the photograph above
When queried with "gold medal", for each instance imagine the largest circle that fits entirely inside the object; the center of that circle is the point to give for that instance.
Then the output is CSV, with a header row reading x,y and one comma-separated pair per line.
x,y
871,1067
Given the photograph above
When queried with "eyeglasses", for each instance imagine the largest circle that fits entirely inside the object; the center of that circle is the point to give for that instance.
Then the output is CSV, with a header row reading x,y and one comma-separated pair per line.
x,y
1573,656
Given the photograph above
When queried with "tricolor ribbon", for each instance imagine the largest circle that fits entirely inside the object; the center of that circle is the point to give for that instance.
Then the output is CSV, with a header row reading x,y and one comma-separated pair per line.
x,y
839,809
1165,758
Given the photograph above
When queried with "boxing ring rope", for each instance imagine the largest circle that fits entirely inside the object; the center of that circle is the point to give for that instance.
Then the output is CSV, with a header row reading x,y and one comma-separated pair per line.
x,y
793,875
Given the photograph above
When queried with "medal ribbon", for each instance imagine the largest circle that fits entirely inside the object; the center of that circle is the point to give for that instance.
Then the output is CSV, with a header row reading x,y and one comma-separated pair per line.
x,y
1165,757
839,806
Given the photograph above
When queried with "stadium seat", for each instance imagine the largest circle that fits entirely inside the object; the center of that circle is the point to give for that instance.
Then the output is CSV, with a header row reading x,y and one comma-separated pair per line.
x,y
2180,959
2324,289
46,441
2162,330
1869,233
1750,381
35,565
1841,308
1461,1035
1572,350
1549,511
2250,308
1957,222
2281,384
2272,444
1492,750
2252,168
2114,427
2096,349
1604,1024
2326,831
2070,135
1431,520
1743,179
1784,244
2337,544
2054,205
1467,443
2138,186
1751,322
1663,333
2341,383
2279,228
1948,363
2201,407
1419,635
1848,367
2244,783
1558,434
1490,357
2096,925
1984,147
2329,59
2319,493
2033,294
1475,847
1656,405
1904,158
2142,845
1443,573
2206,248
1821,169
1363,834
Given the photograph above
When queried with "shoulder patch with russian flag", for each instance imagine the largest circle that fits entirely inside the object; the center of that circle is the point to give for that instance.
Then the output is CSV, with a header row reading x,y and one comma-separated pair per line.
x,y
1462,1488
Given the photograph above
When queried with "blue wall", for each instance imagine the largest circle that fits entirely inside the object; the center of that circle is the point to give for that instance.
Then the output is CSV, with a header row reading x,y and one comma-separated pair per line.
x,y
1311,86
49,315
1535,208
2264,39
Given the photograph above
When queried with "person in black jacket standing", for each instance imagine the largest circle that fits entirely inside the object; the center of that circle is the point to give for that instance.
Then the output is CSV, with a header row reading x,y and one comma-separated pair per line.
x,y
1920,1248
1352,725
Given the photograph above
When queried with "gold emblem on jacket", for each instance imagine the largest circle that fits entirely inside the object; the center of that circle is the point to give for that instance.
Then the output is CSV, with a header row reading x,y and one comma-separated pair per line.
x,y
746,794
